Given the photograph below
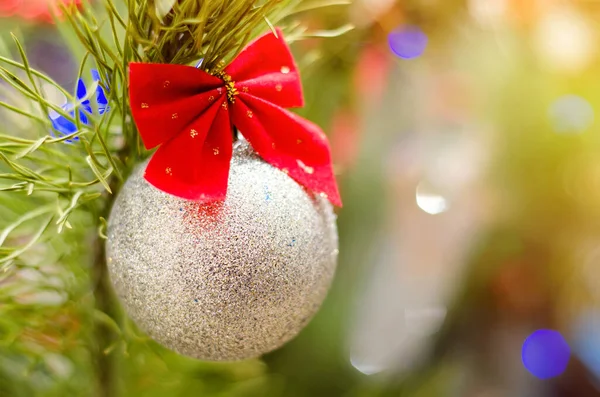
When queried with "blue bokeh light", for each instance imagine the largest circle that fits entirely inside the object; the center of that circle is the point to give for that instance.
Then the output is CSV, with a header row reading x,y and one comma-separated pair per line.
x,y
407,42
586,344
546,354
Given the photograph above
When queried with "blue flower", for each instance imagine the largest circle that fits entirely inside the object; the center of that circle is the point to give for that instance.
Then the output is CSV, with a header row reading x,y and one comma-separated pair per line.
x,y
101,99
64,126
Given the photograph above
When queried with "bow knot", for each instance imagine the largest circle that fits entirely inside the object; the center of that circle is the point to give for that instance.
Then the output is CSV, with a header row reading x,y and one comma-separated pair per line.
x,y
232,91
195,138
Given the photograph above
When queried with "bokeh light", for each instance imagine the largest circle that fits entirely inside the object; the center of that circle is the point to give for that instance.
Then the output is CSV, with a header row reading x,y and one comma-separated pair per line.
x,y
586,344
546,354
425,321
407,42
430,201
571,114
564,40
487,12
366,368
34,10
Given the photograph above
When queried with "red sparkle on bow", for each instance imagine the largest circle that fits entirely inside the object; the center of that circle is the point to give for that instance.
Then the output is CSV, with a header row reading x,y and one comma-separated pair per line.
x,y
190,113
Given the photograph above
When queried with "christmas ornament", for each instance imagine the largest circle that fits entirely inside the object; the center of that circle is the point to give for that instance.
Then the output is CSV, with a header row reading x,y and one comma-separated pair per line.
x,y
220,257
190,112
227,280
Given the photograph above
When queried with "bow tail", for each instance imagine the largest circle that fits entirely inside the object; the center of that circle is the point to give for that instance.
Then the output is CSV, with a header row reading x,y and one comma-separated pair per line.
x,y
194,165
288,142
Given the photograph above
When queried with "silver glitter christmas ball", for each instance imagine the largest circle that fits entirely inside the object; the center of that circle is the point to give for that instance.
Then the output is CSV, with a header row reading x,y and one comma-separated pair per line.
x,y
229,283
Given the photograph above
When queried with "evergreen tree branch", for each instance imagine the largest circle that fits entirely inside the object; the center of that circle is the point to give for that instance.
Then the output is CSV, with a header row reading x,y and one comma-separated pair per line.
x,y
56,190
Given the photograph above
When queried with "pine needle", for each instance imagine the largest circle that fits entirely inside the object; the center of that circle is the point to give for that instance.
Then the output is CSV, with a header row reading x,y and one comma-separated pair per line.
x,y
51,181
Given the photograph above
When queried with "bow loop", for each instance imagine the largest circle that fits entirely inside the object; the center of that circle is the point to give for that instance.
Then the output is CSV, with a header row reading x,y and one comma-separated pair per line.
x,y
165,99
266,69
287,141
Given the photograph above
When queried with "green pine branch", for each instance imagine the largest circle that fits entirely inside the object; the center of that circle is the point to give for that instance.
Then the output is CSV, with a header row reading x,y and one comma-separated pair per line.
x,y
111,37
55,192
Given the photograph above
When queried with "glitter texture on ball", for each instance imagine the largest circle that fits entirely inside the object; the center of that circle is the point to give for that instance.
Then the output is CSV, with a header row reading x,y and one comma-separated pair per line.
x,y
223,282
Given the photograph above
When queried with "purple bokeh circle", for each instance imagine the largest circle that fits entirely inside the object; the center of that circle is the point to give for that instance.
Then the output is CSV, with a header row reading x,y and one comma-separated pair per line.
x,y
546,354
407,42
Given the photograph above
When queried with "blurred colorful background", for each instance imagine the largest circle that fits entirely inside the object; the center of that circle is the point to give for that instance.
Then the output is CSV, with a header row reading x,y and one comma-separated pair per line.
x,y
466,141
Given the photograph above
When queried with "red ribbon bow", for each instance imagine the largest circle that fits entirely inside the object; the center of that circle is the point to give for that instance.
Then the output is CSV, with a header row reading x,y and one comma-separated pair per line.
x,y
190,114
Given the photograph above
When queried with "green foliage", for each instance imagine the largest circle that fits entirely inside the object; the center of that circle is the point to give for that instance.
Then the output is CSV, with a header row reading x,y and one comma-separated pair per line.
x,y
62,177
61,332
